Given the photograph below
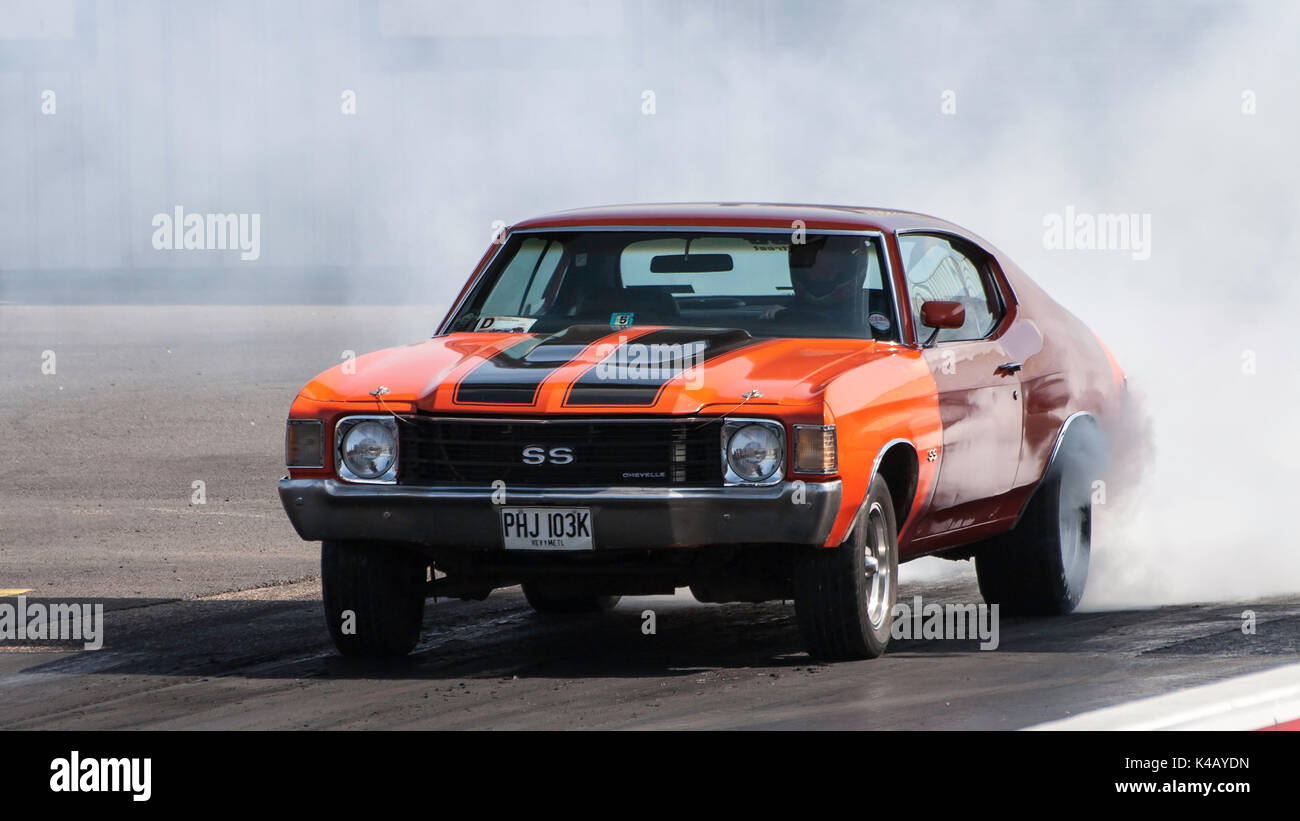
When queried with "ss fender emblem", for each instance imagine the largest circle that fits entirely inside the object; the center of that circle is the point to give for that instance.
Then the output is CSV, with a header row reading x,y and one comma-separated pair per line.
x,y
537,455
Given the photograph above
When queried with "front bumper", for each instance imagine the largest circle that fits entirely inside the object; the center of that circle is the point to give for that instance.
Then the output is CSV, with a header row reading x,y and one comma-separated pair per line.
x,y
466,518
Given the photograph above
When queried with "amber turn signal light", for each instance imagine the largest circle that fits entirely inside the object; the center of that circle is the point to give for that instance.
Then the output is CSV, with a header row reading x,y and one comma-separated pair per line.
x,y
304,443
814,449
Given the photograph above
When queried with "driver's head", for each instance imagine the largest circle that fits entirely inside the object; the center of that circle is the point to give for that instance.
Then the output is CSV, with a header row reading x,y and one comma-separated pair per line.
x,y
828,269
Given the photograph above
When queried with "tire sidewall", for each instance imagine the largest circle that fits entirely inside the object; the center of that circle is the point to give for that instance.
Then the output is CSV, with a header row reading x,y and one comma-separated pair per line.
x,y
876,636
1071,489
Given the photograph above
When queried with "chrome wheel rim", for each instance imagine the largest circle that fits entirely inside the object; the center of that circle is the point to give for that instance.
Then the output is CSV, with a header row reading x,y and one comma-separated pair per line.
x,y
877,566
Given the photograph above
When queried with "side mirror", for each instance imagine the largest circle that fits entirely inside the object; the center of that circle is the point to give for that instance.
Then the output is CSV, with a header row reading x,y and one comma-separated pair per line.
x,y
940,314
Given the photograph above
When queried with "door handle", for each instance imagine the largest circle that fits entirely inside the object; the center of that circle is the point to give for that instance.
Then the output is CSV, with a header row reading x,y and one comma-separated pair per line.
x,y
1008,368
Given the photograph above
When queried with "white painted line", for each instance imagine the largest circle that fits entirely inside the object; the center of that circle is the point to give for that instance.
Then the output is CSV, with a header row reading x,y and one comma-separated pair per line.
x,y
1249,702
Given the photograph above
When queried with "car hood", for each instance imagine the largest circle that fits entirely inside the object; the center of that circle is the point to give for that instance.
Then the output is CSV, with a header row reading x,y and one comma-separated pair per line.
x,y
588,368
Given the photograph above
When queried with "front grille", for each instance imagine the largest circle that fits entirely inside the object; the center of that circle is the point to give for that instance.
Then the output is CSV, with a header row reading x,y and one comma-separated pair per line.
x,y
605,453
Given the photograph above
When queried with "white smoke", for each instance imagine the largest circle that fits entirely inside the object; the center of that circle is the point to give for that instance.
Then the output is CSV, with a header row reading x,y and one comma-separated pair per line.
x,y
471,113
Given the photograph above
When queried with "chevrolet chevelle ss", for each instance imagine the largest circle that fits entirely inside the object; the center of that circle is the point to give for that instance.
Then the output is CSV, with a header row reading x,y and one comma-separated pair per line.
x,y
760,402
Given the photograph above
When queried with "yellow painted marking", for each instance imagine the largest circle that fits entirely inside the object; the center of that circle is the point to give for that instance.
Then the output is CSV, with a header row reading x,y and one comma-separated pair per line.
x,y
13,591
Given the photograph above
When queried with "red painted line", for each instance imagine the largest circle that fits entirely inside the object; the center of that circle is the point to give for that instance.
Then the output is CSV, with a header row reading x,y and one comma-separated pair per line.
x,y
1294,725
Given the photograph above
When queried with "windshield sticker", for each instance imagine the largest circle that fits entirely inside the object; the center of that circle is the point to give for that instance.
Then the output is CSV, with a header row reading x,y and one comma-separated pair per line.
x,y
878,321
505,324
620,321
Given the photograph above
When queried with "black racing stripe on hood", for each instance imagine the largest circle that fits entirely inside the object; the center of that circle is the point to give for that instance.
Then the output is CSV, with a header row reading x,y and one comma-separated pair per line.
x,y
514,375
618,380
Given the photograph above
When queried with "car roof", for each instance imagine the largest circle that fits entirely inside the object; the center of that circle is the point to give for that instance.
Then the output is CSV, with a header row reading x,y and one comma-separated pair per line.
x,y
743,214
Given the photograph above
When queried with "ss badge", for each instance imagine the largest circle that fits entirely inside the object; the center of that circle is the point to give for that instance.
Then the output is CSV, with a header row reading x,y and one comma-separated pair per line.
x,y
538,455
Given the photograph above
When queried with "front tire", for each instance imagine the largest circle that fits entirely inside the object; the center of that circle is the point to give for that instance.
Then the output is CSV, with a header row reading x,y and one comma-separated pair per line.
x,y
844,596
373,599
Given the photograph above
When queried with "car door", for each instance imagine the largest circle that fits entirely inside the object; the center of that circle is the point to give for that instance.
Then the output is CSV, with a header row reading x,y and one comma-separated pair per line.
x,y
980,403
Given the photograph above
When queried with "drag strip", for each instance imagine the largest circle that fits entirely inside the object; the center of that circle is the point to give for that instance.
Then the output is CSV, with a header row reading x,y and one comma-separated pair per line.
x,y
261,659
212,613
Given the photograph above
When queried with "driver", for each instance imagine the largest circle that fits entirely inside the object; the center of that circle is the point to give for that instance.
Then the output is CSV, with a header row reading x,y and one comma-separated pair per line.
x,y
827,274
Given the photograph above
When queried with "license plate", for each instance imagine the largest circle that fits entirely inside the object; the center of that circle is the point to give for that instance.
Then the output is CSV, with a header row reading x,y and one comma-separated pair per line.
x,y
546,528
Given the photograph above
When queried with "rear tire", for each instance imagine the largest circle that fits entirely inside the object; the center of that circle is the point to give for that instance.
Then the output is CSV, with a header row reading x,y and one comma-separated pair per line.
x,y
373,599
553,600
1040,568
844,596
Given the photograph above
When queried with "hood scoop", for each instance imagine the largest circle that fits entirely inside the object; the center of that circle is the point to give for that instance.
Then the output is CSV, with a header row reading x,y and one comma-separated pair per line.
x,y
624,368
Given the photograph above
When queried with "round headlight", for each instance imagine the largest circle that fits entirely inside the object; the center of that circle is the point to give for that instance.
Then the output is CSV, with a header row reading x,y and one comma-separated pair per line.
x,y
369,450
754,452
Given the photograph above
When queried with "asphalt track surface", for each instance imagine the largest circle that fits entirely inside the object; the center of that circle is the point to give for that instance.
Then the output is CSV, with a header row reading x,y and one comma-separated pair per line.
x,y
213,616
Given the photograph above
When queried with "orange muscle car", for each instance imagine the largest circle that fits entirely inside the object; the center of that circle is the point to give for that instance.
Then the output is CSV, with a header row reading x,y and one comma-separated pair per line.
x,y
758,401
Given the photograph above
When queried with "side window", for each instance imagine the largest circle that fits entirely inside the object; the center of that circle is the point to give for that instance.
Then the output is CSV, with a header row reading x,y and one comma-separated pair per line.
x,y
935,268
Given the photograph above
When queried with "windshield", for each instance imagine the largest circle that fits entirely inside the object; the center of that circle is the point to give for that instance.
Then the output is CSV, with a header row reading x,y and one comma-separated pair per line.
x,y
769,284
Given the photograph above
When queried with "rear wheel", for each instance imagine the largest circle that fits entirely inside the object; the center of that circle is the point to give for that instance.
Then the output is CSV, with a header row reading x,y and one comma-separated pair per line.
x,y
844,596
1041,567
555,599
374,602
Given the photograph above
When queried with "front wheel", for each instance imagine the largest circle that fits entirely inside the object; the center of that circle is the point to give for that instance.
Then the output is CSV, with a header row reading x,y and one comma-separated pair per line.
x,y
844,596
374,602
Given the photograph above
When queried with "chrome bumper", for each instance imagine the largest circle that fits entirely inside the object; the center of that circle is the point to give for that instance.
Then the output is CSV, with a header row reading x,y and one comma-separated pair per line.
x,y
462,517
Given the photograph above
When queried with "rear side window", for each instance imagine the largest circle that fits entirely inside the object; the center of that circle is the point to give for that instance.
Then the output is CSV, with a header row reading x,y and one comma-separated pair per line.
x,y
938,269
